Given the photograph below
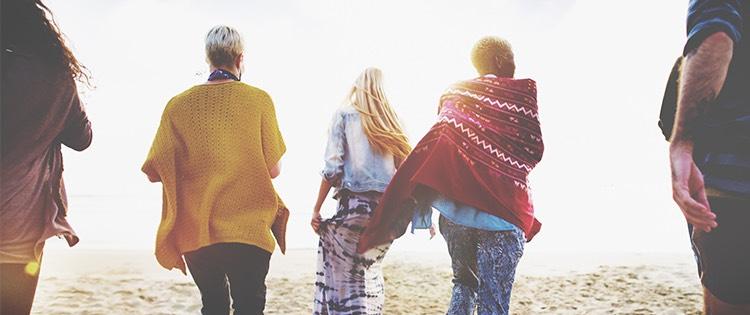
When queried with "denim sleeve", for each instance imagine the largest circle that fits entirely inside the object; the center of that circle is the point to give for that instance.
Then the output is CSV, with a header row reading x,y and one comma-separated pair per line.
x,y
422,218
706,17
334,155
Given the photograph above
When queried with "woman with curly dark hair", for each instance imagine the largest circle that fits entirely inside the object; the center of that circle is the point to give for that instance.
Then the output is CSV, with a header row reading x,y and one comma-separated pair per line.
x,y
40,112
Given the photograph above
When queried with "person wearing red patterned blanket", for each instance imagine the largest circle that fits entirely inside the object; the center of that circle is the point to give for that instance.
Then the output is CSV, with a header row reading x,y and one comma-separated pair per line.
x,y
472,166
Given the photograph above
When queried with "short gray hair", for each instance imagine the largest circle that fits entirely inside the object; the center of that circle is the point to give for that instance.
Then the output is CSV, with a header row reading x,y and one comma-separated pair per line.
x,y
223,45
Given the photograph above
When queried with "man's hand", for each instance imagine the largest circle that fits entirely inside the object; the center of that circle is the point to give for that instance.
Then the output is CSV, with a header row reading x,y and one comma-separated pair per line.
x,y
688,189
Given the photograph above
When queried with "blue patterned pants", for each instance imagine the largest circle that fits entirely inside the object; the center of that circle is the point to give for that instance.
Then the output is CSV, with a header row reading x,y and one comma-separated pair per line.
x,y
484,266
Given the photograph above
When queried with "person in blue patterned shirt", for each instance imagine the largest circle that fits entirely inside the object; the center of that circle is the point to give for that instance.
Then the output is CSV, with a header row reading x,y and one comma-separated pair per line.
x,y
710,150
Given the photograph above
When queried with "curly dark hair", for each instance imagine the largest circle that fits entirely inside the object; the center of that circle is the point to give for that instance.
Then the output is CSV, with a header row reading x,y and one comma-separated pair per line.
x,y
29,26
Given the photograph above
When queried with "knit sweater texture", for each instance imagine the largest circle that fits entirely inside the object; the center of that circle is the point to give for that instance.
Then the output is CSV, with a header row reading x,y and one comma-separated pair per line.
x,y
212,153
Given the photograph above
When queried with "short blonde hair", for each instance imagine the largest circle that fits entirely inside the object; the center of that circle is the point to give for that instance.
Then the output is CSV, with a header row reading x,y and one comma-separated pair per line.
x,y
223,45
493,55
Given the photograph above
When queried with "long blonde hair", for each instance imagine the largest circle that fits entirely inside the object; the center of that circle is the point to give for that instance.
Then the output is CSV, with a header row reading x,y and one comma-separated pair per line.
x,y
382,126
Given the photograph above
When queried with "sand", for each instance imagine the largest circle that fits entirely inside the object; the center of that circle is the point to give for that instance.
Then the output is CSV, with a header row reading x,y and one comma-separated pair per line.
x,y
130,282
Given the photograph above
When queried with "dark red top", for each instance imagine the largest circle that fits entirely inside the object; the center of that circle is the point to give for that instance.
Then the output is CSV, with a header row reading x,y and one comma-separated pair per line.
x,y
40,111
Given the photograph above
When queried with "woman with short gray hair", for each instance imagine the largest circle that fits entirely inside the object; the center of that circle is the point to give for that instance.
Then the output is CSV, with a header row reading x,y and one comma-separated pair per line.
x,y
217,148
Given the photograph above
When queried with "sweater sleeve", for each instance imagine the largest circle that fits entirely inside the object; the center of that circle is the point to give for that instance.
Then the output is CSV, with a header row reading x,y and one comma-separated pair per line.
x,y
162,148
77,131
271,140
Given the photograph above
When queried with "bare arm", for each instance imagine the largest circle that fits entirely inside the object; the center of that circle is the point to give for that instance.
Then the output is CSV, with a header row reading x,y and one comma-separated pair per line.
x,y
704,72
325,188
703,76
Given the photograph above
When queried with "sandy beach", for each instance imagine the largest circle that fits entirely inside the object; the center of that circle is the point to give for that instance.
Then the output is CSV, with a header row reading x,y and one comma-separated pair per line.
x,y
130,282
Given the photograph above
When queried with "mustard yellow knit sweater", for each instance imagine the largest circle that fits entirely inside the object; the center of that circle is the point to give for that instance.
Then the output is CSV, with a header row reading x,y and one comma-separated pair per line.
x,y
212,153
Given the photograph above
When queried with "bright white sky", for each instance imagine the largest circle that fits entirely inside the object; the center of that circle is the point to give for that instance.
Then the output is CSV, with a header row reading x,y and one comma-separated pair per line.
x,y
601,67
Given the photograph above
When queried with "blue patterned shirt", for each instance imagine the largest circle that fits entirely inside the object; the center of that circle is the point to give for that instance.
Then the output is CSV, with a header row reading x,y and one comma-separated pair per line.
x,y
723,142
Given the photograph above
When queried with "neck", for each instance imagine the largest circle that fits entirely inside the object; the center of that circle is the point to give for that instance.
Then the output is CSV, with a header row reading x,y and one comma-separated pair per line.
x,y
498,75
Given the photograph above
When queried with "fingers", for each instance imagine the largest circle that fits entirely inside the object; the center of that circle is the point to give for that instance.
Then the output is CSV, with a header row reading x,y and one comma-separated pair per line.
x,y
701,224
689,192
698,188
706,215
315,222
696,210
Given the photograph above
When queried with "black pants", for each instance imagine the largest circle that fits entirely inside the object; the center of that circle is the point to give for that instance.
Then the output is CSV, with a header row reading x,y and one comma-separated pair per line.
x,y
230,268
17,289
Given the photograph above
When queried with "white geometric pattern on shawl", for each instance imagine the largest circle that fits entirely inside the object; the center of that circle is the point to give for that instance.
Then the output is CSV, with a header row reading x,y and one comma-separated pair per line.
x,y
497,103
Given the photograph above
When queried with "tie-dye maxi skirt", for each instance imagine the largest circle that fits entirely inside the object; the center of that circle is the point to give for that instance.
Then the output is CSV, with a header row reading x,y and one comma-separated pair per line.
x,y
347,282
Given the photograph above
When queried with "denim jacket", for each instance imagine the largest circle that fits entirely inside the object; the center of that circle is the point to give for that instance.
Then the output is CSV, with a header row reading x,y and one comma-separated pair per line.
x,y
350,161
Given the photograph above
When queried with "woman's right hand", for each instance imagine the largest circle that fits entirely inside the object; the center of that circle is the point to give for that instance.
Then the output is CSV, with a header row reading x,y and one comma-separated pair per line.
x,y
315,222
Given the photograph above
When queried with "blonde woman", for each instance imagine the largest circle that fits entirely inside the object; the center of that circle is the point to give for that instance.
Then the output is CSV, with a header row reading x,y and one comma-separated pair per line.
x,y
215,153
365,145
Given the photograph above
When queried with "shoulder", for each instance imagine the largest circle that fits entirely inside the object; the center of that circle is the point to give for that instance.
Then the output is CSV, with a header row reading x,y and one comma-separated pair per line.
x,y
346,110
525,84
178,101
706,17
706,10
342,114
252,93
255,95
251,90
345,113
23,68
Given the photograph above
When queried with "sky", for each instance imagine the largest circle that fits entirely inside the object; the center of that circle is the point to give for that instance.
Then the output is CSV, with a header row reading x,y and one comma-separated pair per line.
x,y
601,68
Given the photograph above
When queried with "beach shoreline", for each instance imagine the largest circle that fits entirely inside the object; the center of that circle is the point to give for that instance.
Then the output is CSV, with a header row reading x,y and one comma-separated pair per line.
x,y
87,281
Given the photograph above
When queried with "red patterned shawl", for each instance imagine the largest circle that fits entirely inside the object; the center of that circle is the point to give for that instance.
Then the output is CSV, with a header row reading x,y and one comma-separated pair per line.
x,y
480,152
